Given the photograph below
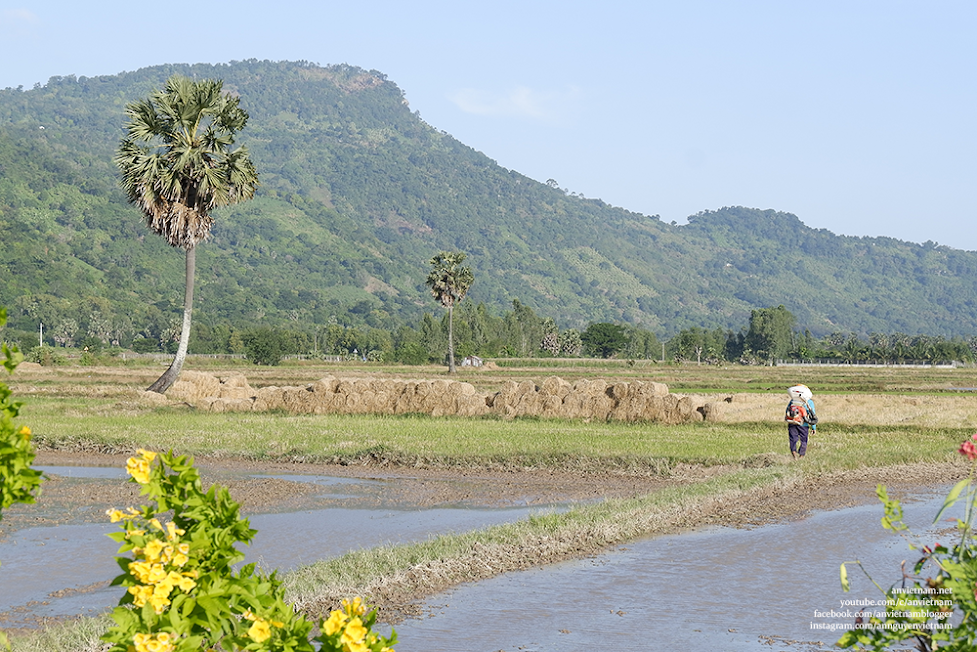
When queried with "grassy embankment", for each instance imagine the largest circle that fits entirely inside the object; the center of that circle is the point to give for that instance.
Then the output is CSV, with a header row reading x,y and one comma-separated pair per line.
x,y
871,418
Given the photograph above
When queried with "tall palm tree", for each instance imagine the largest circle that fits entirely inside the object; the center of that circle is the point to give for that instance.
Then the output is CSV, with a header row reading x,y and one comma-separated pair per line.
x,y
449,282
178,165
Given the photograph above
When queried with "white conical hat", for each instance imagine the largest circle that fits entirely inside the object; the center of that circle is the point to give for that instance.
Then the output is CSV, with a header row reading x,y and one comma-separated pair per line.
x,y
802,392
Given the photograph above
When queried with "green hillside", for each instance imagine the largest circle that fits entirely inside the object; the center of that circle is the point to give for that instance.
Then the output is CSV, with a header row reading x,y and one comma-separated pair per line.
x,y
358,192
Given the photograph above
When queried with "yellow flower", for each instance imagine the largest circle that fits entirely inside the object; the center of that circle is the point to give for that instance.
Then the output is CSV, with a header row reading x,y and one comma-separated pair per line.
x,y
182,554
134,533
186,584
260,631
354,608
25,432
173,532
140,594
115,515
162,642
355,632
159,603
149,456
139,469
155,523
140,570
162,590
335,622
140,640
152,550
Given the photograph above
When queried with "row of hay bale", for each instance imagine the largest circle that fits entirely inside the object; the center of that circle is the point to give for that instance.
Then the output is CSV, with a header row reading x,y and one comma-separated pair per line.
x,y
553,398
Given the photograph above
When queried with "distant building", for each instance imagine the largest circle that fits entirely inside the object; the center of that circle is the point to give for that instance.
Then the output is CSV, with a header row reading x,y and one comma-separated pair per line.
x,y
472,361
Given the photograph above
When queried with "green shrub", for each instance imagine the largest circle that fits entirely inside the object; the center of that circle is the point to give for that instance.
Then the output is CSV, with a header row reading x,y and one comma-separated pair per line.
x,y
938,611
18,481
182,592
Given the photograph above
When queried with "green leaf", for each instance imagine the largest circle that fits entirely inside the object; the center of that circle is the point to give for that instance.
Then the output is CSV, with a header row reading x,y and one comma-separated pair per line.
x,y
952,497
844,579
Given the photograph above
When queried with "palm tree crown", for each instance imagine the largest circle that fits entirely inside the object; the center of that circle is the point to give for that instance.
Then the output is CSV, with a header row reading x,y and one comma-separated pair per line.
x,y
176,159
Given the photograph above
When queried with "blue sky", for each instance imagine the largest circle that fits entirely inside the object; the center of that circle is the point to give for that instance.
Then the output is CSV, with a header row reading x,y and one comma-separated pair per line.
x,y
856,116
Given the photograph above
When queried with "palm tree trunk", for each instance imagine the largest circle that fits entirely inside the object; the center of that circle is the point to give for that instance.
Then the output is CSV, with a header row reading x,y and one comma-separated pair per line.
x,y
451,340
169,376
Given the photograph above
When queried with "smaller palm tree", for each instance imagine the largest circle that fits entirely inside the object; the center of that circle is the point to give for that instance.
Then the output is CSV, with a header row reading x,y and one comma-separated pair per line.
x,y
449,283
177,165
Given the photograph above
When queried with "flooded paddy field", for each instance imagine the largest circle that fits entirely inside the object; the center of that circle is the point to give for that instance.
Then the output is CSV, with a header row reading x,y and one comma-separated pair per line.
x,y
57,561
733,588
774,587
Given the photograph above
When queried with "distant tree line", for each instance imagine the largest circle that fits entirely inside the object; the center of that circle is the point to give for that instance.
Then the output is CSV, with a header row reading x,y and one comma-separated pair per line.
x,y
770,335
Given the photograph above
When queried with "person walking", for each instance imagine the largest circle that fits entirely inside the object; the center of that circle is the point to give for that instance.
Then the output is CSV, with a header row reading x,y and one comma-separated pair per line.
x,y
801,419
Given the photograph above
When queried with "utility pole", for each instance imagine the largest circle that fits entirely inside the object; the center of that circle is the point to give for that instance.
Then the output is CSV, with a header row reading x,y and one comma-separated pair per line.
x,y
40,336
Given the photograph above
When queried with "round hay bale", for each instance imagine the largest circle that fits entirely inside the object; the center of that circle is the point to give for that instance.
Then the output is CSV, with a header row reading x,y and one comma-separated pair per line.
x,y
206,404
152,398
684,410
712,411
268,398
235,380
659,389
601,406
326,385
552,406
574,405
597,387
192,386
554,385
508,389
654,409
361,386
422,389
297,400
618,391
234,393
236,404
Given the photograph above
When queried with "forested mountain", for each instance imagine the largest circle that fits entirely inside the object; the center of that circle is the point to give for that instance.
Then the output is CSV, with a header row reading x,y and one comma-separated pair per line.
x,y
358,193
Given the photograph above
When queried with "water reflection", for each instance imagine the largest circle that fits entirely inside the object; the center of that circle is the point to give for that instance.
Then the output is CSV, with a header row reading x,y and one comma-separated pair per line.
x,y
714,589
64,570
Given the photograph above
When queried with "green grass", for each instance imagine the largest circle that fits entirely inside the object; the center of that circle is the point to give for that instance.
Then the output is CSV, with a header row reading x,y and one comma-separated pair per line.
x,y
105,424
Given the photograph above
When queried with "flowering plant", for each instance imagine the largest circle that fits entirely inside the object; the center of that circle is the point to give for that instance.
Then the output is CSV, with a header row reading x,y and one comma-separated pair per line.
x,y
348,630
938,611
182,590
18,481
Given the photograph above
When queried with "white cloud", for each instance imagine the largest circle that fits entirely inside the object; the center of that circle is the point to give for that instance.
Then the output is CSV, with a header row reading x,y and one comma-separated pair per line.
x,y
520,102
11,17
17,24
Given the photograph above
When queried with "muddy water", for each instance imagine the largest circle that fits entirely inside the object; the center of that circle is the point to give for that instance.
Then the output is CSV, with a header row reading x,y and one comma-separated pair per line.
x,y
714,589
62,570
